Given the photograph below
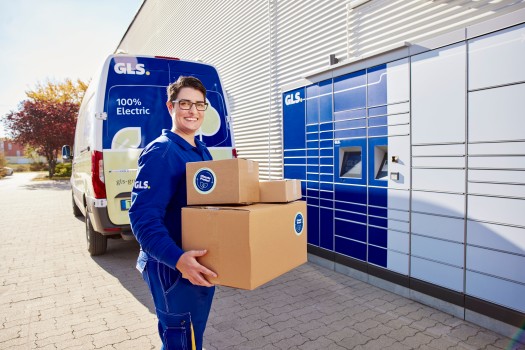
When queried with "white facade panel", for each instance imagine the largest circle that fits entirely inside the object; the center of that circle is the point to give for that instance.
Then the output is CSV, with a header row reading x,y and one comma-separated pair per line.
x,y
399,215
446,180
500,237
439,76
399,146
509,266
437,250
439,227
443,275
398,119
398,225
497,114
497,210
447,204
497,58
496,290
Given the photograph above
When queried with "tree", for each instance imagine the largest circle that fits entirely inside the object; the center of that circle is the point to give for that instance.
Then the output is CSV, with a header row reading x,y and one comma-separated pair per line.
x,y
47,119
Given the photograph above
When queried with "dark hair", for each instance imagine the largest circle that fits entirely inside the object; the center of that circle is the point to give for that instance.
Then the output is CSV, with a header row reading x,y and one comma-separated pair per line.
x,y
185,81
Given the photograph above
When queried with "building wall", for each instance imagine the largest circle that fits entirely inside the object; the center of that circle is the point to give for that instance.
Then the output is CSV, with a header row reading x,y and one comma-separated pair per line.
x,y
415,79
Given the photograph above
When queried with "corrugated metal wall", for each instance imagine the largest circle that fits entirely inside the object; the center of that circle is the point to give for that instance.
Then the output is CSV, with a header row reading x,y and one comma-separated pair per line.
x,y
376,25
257,46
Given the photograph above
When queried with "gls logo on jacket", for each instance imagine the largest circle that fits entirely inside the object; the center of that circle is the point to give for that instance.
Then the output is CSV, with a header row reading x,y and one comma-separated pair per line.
x,y
141,185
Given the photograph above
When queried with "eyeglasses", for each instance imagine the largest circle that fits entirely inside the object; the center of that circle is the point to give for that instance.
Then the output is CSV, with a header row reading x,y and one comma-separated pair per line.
x,y
187,104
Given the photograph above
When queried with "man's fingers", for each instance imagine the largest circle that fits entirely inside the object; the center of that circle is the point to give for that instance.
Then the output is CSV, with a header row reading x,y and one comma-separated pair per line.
x,y
197,253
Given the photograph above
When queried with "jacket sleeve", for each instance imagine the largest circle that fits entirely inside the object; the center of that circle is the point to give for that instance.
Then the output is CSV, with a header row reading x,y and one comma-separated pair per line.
x,y
153,189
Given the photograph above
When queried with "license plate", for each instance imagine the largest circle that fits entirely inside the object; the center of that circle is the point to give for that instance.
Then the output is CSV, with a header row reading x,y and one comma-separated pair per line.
x,y
125,204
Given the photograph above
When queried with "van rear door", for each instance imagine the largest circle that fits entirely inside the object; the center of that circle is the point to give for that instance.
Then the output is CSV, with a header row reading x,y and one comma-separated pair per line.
x,y
136,113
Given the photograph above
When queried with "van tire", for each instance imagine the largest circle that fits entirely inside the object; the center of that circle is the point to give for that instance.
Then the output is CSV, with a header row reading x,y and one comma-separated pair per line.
x,y
96,242
76,210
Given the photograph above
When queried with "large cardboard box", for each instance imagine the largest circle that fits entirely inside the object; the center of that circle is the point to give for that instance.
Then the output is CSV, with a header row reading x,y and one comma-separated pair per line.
x,y
279,191
229,181
247,245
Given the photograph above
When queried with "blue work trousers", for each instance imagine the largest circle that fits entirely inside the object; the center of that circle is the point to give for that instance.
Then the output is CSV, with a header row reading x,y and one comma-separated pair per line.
x,y
182,308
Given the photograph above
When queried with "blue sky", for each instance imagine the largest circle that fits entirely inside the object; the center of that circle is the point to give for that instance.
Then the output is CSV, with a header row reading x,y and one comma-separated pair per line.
x,y
53,40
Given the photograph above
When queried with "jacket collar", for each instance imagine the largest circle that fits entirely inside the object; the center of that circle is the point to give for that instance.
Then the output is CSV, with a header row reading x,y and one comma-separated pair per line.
x,y
181,142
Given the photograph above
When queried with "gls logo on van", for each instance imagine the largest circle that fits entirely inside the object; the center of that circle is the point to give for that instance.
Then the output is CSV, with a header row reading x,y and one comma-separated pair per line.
x,y
127,68
291,99
141,185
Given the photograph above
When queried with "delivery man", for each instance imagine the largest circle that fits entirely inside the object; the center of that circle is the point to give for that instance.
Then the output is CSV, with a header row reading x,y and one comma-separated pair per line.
x,y
181,293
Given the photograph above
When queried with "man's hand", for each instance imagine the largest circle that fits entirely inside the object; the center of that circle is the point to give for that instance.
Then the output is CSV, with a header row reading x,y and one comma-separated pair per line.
x,y
192,270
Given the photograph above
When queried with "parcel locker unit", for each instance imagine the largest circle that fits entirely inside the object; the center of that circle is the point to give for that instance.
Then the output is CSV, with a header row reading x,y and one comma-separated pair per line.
x,y
415,170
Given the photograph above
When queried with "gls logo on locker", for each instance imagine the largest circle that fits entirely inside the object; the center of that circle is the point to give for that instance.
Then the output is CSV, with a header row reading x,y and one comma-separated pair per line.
x,y
127,68
291,99
299,223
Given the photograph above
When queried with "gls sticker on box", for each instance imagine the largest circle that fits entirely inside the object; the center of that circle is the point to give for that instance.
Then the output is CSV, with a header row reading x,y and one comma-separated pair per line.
x,y
299,223
204,181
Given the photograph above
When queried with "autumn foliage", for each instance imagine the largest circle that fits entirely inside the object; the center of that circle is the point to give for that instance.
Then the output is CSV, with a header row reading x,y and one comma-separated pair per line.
x,y
47,119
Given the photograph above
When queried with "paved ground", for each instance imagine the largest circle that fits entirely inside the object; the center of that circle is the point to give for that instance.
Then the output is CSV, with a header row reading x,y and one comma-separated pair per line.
x,y
53,295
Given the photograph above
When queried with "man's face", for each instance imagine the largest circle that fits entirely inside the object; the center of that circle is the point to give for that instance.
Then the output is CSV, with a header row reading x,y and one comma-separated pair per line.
x,y
190,120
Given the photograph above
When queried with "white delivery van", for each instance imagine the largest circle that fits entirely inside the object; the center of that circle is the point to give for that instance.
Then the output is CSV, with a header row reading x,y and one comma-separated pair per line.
x,y
124,109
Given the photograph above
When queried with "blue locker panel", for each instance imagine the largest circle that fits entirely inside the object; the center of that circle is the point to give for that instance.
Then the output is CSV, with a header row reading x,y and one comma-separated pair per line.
x,y
377,77
327,152
350,133
294,161
350,248
356,208
325,108
326,126
294,153
295,172
326,225
313,224
350,91
378,111
352,230
378,196
381,222
382,212
378,161
378,131
312,128
350,124
350,114
348,193
326,178
294,119
377,236
378,121
377,256
351,216
326,135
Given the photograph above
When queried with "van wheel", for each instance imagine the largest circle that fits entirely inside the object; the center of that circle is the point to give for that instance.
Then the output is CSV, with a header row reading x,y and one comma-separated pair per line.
x,y
96,242
76,209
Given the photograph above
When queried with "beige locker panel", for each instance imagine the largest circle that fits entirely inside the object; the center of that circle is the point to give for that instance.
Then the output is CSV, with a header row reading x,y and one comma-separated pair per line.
x,y
439,162
499,237
508,266
446,180
500,176
437,250
397,262
437,76
497,148
439,227
438,150
398,241
491,189
437,273
497,210
446,204
497,114
494,162
496,290
398,199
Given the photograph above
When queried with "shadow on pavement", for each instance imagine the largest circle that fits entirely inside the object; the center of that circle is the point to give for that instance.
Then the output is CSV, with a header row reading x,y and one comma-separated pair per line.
x,y
119,261
48,185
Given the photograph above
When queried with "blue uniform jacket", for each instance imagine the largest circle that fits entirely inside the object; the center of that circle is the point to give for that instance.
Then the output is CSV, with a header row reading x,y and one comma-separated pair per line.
x,y
158,195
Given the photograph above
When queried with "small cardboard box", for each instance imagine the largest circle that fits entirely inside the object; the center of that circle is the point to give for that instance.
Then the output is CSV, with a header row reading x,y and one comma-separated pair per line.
x,y
279,191
247,245
229,181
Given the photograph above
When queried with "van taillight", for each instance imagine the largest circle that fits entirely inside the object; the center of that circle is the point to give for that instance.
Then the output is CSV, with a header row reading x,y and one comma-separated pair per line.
x,y
97,174
234,152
